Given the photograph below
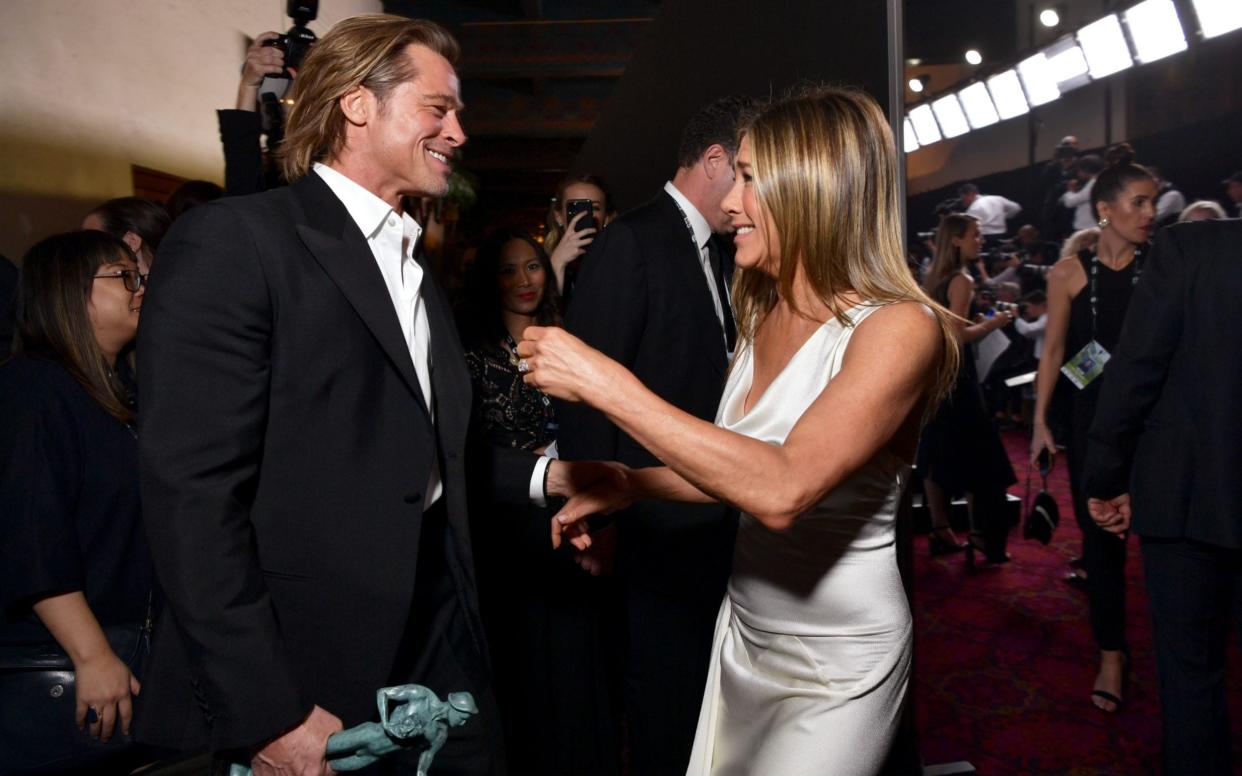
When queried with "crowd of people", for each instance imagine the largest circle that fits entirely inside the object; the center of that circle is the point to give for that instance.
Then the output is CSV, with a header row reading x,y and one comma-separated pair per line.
x,y
635,489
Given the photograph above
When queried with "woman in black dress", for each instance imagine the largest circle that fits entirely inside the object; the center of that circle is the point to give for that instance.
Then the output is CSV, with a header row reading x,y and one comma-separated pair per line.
x,y
541,611
960,451
1087,299
74,560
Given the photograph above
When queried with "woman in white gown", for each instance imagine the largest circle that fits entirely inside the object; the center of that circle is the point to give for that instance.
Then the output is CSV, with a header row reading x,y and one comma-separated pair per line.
x,y
841,357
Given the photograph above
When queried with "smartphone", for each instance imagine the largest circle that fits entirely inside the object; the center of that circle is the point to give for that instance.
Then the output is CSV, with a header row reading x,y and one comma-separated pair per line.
x,y
575,206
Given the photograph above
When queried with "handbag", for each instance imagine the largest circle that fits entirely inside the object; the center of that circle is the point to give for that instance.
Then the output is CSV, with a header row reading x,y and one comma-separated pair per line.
x,y
1043,514
38,698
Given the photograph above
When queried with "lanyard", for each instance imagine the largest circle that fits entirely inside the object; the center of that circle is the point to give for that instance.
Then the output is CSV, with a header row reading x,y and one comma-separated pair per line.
x,y
1095,271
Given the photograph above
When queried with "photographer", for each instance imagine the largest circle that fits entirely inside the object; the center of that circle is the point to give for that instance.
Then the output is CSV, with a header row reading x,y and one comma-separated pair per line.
x,y
242,127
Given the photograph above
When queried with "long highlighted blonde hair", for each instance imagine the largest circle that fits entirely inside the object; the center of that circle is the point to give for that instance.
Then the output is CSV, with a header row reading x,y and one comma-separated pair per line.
x,y
825,169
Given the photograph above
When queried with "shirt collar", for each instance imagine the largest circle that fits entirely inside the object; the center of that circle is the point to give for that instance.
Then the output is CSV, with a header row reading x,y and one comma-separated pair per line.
x,y
368,211
702,230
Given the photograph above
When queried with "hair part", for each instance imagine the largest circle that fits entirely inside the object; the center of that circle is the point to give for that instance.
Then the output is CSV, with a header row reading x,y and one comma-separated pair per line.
x,y
825,171
718,123
57,276
368,51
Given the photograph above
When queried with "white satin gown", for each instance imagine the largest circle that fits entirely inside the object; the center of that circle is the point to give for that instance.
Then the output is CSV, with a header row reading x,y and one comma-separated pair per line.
x,y
812,645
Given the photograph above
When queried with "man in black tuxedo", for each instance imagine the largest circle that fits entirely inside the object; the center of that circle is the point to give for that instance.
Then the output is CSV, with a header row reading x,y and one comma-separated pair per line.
x,y
653,294
1165,459
304,429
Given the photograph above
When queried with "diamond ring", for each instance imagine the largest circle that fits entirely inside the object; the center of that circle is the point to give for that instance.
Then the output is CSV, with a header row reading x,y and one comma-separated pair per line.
x,y
523,366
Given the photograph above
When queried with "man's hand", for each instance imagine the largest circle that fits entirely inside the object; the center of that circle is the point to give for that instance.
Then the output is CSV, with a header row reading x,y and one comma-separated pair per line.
x,y
300,752
1113,515
566,479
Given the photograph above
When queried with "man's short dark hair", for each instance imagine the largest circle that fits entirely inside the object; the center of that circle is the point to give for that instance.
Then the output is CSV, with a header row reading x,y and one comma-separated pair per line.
x,y
1036,297
967,188
719,123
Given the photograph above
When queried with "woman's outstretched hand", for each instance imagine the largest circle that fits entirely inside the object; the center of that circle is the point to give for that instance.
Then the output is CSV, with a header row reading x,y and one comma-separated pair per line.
x,y
605,496
564,367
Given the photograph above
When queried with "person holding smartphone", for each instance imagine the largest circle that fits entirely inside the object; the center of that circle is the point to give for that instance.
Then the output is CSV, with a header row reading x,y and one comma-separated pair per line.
x,y
579,211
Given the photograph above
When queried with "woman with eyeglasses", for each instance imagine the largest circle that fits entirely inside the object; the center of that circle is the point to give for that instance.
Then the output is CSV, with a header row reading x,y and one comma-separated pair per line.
x,y
75,575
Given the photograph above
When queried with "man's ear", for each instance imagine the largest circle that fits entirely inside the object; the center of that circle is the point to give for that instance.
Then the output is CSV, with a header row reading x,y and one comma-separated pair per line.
x,y
715,161
358,105
133,241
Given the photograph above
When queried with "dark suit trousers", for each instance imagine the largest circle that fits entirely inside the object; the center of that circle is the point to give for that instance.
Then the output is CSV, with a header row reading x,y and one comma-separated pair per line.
x,y
1193,588
439,652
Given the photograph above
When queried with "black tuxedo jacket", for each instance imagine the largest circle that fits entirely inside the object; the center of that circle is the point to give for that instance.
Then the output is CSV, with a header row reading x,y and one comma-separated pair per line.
x,y
285,446
1170,411
641,298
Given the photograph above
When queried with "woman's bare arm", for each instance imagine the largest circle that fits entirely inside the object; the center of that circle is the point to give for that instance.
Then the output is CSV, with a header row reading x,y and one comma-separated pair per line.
x,y
883,379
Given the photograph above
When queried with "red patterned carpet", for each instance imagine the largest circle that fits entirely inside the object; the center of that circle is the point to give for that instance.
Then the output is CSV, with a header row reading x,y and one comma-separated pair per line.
x,y
1005,661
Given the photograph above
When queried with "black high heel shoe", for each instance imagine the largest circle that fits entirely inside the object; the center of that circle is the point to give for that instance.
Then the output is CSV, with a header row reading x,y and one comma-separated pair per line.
x,y
991,558
938,543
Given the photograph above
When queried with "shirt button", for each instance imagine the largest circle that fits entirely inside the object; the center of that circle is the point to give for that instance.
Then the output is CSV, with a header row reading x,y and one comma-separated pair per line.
x,y
392,221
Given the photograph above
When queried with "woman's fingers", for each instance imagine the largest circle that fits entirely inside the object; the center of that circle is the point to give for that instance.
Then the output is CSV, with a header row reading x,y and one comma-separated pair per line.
x,y
125,712
79,714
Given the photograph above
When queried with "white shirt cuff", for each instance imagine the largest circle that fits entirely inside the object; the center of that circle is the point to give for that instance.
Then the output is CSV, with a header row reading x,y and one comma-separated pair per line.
x,y
537,496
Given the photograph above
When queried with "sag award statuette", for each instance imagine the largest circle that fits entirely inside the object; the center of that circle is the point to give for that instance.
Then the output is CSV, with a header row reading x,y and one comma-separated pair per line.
x,y
418,715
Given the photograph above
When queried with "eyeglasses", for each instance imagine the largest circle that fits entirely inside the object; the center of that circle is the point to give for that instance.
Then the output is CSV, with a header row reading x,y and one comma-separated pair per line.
x,y
133,279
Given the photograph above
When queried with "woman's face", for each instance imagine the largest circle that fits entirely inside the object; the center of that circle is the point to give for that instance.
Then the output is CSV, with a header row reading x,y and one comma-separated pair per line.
x,y
970,243
754,233
521,278
1132,213
112,307
584,191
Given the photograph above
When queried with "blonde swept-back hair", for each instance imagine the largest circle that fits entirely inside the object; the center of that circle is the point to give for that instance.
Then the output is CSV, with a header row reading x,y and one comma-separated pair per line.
x,y
367,50
947,258
825,170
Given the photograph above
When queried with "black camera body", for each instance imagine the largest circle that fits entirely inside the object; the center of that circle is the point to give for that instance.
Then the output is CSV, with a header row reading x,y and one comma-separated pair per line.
x,y
297,42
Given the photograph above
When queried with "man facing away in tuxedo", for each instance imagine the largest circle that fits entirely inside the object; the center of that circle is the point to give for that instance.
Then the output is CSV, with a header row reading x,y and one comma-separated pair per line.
x,y
1164,458
653,294
304,433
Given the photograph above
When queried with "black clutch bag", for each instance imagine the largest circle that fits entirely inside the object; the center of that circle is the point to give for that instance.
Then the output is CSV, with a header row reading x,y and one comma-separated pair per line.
x,y
1043,514
38,699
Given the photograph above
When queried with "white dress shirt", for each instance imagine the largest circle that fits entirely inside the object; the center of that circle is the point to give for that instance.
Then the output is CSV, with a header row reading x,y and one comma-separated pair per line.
x,y
392,240
1033,330
702,234
1081,202
992,210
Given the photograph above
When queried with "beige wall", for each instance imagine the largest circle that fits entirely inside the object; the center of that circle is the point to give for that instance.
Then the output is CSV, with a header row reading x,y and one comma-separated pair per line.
x,y
90,87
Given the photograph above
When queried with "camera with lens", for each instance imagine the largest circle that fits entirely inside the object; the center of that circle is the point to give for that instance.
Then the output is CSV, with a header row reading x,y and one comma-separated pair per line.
x,y
299,39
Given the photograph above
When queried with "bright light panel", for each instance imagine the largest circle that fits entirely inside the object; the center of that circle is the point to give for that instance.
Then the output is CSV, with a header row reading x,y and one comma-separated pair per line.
x,y
1104,45
1216,17
916,85
1049,18
1155,30
1006,91
924,123
980,111
974,57
1037,78
949,115
1068,65
909,141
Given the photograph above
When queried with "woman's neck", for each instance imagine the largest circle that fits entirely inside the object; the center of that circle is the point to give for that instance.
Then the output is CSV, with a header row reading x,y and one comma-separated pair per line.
x,y
516,323
1115,251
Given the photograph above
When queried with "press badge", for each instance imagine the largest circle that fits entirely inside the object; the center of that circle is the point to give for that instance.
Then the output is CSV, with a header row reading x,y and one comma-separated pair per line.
x,y
1086,365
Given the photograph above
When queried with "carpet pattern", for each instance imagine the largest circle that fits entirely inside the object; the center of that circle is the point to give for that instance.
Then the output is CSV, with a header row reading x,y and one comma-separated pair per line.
x,y
1004,660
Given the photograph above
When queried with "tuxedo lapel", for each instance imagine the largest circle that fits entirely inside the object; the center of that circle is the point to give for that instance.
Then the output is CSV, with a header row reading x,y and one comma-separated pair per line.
x,y
686,258
341,250
450,382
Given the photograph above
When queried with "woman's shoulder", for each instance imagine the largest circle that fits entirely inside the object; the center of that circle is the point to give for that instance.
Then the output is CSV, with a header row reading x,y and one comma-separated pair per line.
x,y
35,379
905,315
